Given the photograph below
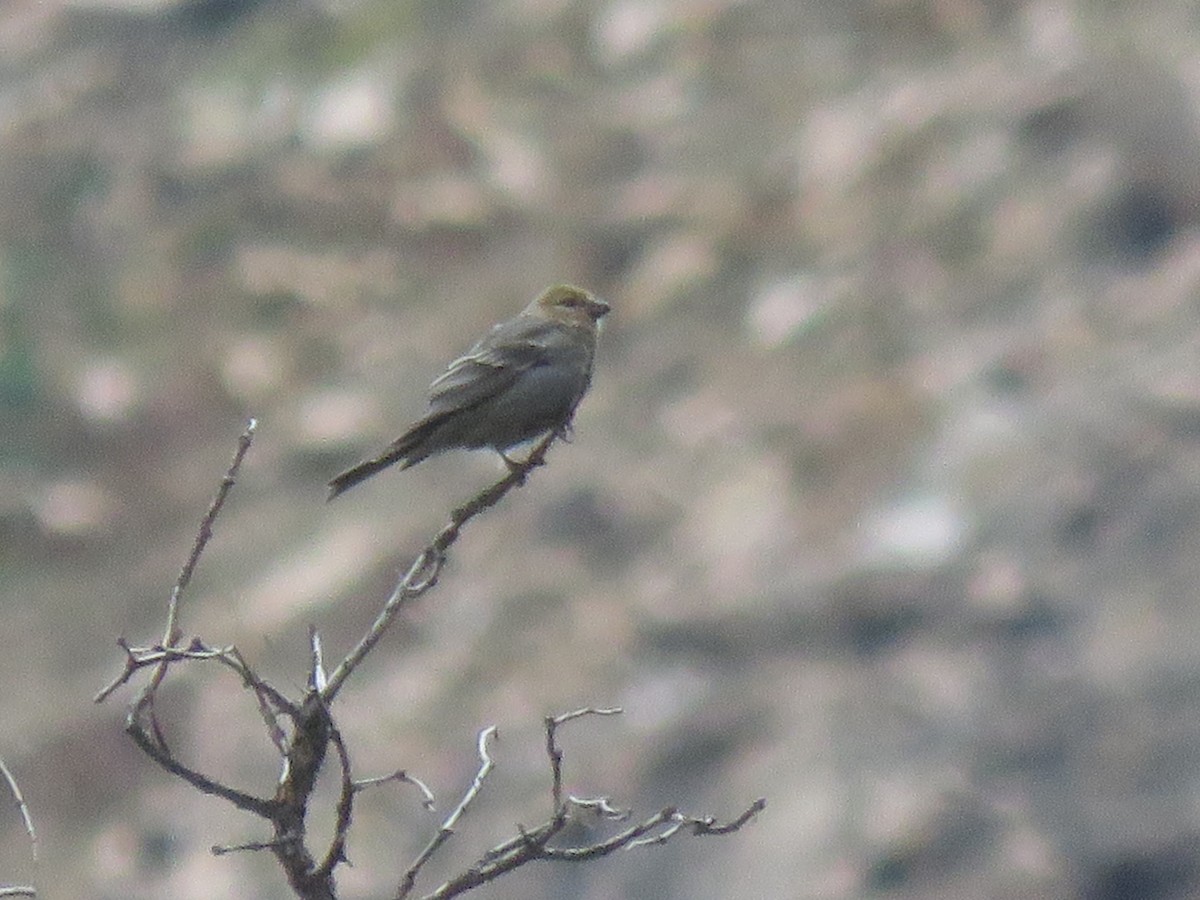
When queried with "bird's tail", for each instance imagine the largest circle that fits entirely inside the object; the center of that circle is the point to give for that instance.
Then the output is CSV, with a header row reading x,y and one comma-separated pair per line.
x,y
362,472
408,450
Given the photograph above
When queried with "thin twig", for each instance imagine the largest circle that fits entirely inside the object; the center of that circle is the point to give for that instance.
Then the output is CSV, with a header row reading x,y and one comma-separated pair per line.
x,y
399,775
555,754
707,826
199,781
317,678
601,806
425,569
22,808
171,632
251,847
204,535
532,844
447,829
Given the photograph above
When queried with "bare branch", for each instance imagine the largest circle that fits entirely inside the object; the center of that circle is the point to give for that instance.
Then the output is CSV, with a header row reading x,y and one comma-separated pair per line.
x,y
707,826
399,775
345,807
171,632
317,678
312,729
161,755
251,846
530,845
22,808
555,754
425,569
302,732
204,535
151,740
447,829
602,806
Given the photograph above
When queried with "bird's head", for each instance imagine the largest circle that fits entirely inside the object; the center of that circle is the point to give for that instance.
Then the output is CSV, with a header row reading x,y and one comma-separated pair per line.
x,y
571,304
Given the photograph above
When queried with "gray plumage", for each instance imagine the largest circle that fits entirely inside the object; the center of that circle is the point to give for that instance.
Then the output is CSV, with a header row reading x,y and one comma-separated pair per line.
x,y
523,378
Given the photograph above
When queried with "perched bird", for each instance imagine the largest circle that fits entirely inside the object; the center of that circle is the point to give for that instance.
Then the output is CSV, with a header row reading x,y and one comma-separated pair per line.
x,y
523,378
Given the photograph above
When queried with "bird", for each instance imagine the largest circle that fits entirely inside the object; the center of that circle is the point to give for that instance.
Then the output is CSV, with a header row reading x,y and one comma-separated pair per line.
x,y
522,379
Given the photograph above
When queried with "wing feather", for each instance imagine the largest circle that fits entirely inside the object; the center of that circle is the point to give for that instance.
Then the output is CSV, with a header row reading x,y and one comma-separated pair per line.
x,y
492,366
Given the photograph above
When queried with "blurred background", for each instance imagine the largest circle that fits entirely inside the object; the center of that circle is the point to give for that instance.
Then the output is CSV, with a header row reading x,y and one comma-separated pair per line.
x,y
885,503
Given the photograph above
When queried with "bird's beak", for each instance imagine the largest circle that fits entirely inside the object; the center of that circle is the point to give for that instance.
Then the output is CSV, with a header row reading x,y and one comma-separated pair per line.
x,y
597,308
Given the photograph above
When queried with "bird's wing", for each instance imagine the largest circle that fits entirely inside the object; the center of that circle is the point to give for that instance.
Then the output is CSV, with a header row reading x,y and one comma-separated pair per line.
x,y
492,366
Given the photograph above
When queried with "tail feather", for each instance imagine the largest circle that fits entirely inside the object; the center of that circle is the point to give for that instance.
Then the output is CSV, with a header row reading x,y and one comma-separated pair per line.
x,y
408,450
361,472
